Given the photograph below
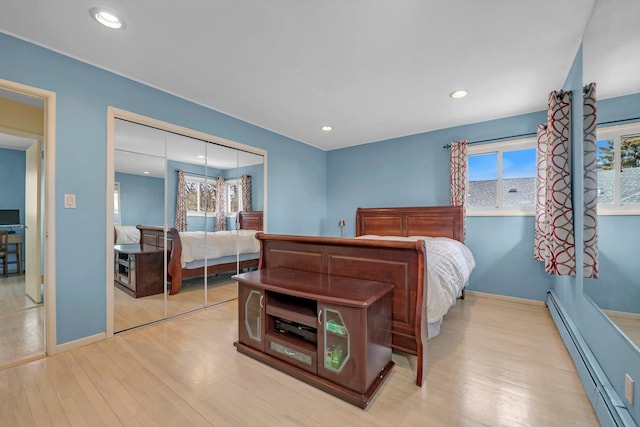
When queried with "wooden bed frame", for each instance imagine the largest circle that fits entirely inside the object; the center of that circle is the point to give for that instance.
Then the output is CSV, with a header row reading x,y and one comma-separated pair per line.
x,y
398,262
155,236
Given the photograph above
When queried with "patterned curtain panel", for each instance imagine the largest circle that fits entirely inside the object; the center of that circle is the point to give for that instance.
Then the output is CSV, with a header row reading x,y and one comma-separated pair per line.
x,y
221,204
559,245
540,239
458,176
590,268
181,203
245,181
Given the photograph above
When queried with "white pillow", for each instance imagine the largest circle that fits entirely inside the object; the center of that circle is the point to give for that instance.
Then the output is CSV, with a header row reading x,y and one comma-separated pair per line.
x,y
127,234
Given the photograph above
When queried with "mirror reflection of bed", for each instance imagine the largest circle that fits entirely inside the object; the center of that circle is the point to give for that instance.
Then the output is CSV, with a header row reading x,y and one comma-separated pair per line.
x,y
147,163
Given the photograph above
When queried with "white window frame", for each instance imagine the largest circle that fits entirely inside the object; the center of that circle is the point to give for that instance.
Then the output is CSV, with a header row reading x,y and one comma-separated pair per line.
x,y
199,212
615,133
227,184
499,148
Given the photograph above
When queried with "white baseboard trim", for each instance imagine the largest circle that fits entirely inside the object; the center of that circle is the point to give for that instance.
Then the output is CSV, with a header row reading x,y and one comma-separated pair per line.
x,y
81,342
505,298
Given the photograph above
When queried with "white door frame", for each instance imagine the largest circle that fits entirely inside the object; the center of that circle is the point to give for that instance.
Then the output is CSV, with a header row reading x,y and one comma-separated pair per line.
x,y
49,99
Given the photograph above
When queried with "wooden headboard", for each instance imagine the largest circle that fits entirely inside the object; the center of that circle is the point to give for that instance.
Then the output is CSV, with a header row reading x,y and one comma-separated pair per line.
x,y
433,221
250,220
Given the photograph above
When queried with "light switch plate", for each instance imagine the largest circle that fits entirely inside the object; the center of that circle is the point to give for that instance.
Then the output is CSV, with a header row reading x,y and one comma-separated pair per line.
x,y
628,388
69,201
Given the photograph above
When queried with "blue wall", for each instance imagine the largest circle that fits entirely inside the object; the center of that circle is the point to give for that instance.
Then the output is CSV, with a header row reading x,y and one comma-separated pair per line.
x,y
13,166
618,285
141,199
83,93
12,177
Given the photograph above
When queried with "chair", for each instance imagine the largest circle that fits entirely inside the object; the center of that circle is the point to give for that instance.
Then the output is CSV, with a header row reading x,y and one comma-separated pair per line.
x,y
4,250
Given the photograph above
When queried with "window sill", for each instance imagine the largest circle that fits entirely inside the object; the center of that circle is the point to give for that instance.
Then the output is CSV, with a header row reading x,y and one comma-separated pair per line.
x,y
499,212
618,211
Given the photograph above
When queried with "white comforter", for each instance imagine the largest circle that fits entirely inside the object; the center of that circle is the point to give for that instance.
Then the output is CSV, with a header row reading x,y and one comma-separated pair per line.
x,y
449,264
127,234
198,245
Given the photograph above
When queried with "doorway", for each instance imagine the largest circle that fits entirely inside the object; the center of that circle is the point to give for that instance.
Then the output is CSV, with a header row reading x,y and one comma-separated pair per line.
x,y
26,297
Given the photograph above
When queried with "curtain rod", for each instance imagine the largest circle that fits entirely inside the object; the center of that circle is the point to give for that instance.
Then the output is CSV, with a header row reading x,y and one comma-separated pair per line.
x,y
522,135
199,174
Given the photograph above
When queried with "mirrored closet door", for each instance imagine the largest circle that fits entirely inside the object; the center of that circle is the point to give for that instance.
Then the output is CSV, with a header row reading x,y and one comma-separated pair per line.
x,y
180,198
140,180
611,61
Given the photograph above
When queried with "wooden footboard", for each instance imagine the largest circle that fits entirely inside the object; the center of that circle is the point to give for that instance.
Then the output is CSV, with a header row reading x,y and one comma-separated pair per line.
x,y
395,262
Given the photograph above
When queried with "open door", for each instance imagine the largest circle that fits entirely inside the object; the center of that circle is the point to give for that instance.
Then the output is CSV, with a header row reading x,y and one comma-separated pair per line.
x,y
33,229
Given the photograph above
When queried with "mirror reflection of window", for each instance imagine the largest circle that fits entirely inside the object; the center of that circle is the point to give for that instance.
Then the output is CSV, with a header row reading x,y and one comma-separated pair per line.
x,y
618,167
630,166
201,195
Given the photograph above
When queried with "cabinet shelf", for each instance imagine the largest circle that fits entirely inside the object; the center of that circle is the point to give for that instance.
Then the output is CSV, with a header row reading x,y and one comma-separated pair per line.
x,y
298,310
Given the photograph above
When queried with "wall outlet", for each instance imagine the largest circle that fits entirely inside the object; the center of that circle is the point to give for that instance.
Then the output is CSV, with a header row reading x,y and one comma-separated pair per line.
x,y
628,388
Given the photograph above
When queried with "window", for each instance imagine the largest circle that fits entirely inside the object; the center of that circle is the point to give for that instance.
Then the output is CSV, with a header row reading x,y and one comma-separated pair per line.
x,y
502,178
234,197
618,169
201,195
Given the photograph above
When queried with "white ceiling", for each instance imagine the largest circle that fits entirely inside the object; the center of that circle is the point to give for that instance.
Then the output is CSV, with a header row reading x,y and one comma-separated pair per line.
x,y
372,69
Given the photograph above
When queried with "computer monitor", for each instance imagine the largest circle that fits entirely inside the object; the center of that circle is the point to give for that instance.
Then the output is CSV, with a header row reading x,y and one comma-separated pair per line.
x,y
9,217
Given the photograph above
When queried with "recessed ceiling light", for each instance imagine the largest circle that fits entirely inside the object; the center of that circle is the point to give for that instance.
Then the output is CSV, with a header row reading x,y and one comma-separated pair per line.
x,y
107,19
459,93
327,128
200,156
146,172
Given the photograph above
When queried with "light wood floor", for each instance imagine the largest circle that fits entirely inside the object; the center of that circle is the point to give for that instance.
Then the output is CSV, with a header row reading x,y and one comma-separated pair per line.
x,y
21,322
495,363
131,312
629,323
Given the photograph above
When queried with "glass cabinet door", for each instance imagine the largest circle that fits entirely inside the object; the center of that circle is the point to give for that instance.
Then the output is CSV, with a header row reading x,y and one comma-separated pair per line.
x,y
337,343
251,317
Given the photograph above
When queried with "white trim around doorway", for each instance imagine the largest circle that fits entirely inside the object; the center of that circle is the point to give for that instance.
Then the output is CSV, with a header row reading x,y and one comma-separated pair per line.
x,y
49,98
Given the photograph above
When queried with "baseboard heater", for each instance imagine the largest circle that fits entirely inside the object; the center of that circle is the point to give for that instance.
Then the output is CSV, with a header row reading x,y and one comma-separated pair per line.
x,y
606,403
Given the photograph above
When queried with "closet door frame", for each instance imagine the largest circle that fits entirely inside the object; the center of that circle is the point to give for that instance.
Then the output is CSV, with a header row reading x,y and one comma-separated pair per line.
x,y
114,113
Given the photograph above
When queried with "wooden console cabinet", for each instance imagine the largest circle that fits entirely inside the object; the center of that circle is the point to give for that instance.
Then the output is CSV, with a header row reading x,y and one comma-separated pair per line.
x,y
139,269
331,332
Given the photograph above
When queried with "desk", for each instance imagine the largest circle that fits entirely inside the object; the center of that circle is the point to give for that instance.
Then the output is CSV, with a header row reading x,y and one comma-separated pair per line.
x,y
16,239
